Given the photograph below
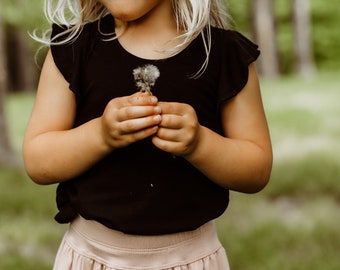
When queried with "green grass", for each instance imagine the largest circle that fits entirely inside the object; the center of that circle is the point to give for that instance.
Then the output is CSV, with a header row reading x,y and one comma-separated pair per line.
x,y
29,237
292,224
303,118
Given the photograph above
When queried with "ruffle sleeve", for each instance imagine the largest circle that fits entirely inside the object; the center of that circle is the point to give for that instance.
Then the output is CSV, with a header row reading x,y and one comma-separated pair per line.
x,y
67,58
238,53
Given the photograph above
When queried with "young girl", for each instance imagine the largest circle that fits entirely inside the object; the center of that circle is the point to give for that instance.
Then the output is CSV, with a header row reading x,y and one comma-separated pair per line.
x,y
142,176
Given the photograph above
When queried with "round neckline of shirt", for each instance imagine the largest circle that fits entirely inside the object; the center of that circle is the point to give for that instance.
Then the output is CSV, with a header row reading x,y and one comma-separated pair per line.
x,y
143,59
109,20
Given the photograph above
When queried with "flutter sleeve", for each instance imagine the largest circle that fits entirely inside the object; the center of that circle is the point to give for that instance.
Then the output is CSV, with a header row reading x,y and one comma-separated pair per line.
x,y
238,53
67,57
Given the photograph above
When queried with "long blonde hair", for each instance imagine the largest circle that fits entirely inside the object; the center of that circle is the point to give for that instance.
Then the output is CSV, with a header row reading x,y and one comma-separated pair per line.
x,y
193,18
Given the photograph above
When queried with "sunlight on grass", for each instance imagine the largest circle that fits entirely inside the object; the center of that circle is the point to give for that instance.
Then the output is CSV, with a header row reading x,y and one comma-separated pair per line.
x,y
303,120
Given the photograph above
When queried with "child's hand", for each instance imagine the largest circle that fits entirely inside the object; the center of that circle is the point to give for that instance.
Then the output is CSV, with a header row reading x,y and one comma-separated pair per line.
x,y
178,131
130,119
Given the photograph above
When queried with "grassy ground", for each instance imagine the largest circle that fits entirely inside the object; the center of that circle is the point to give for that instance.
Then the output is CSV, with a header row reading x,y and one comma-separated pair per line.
x,y
292,224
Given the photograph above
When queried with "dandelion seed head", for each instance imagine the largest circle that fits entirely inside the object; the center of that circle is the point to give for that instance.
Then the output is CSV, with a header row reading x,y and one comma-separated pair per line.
x,y
145,77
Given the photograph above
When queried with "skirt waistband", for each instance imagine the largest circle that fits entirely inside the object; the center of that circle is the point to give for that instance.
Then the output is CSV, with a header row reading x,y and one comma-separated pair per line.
x,y
97,232
116,250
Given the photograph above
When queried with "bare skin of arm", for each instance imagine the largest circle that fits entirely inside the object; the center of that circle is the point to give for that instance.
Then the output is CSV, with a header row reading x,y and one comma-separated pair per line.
x,y
54,151
242,159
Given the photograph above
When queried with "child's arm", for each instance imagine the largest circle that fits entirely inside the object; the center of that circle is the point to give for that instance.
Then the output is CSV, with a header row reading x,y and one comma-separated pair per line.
x,y
54,151
241,160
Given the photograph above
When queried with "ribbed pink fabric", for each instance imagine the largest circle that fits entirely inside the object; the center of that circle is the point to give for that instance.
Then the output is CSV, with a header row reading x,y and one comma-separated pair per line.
x,y
88,245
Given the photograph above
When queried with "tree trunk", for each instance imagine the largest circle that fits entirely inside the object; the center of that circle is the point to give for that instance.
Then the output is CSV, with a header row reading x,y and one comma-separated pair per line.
x,y
304,65
7,156
21,68
265,36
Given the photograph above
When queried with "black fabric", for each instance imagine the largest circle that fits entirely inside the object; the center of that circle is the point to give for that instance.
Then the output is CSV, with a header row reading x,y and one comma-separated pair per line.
x,y
141,189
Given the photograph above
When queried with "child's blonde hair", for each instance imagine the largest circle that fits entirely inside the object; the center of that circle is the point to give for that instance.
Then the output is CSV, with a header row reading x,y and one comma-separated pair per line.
x,y
193,17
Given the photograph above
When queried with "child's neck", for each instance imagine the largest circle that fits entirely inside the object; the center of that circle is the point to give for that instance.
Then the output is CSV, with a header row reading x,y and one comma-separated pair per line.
x,y
149,36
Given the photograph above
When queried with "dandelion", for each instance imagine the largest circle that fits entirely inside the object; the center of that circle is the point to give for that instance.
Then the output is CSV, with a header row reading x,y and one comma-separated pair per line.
x,y
145,77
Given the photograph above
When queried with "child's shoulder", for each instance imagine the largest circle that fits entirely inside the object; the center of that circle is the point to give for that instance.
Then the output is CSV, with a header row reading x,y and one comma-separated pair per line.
x,y
233,44
229,36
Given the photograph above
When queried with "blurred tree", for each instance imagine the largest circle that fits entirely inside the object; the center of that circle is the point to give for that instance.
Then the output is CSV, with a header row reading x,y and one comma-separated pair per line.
x,y
6,152
264,30
22,72
304,60
20,17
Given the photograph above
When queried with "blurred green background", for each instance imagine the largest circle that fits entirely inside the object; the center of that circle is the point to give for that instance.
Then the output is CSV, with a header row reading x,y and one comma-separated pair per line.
x,y
293,224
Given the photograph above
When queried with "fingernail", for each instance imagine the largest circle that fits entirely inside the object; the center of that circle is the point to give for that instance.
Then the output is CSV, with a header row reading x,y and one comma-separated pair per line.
x,y
153,99
157,118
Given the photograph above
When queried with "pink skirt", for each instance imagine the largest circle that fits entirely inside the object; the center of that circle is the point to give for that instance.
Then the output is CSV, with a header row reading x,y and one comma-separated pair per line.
x,y
88,245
